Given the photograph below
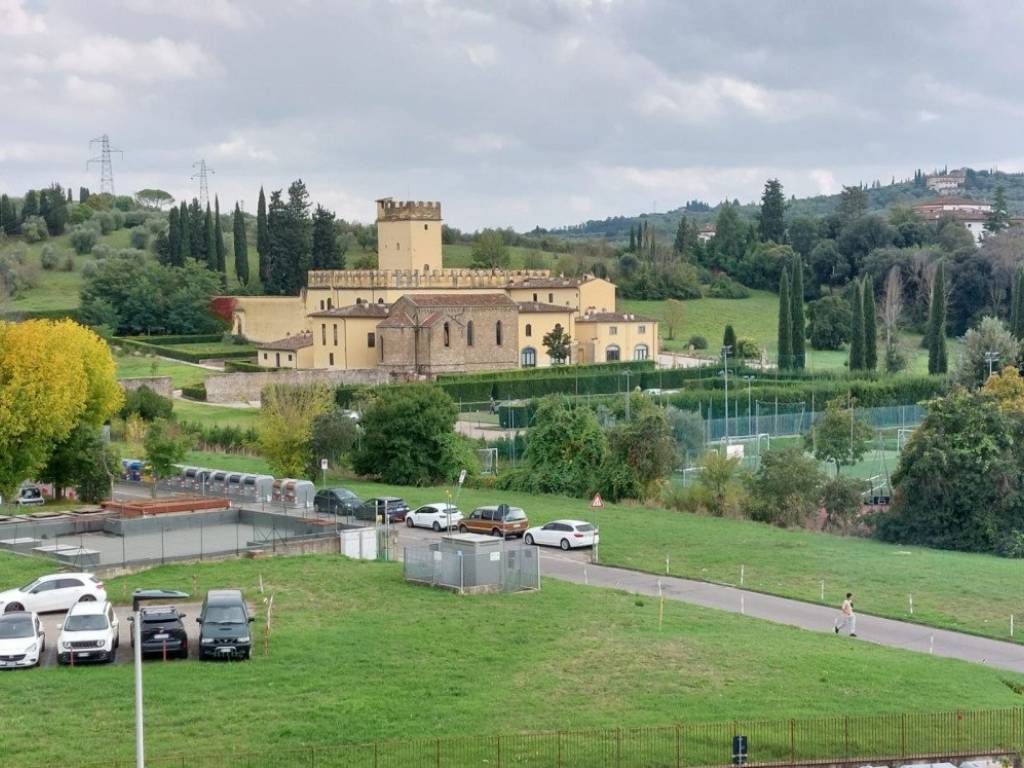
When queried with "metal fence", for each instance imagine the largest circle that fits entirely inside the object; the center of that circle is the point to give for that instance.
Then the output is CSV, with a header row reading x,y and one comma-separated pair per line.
x,y
876,739
785,420
510,568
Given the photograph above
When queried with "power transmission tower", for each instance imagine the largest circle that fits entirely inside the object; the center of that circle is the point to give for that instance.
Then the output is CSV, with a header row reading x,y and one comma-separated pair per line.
x,y
201,174
106,167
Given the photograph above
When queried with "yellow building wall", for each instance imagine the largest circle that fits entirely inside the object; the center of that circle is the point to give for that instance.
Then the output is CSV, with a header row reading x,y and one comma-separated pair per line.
x,y
411,244
595,337
563,297
351,350
359,353
263,319
540,324
299,358
597,294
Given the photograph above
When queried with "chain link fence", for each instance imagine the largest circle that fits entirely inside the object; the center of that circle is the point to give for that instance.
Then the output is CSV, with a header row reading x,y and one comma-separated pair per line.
x,y
501,567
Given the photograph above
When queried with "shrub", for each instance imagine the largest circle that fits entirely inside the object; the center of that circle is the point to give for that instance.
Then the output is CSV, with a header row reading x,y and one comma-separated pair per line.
x,y
82,238
146,404
118,218
49,257
69,263
34,229
80,214
195,393
102,251
724,287
15,274
139,238
829,322
747,348
89,269
105,221
698,342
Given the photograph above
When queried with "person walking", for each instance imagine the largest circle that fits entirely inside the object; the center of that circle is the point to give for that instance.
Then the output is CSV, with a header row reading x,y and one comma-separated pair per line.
x,y
846,617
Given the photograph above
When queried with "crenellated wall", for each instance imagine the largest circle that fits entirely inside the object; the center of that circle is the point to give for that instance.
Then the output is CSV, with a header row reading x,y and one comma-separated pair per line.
x,y
443,279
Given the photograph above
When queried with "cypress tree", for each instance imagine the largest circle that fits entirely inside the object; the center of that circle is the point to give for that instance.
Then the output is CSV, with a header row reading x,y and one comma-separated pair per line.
x,y
30,205
1014,301
241,247
937,324
856,328
198,233
729,339
218,237
83,194
682,237
184,234
174,237
210,230
70,200
8,216
870,328
785,340
263,238
799,323
632,239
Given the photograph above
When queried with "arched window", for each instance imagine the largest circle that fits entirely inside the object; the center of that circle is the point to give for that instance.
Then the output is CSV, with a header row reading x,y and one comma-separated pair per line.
x,y
528,359
529,330
469,333
380,300
640,352
447,335
611,353
497,333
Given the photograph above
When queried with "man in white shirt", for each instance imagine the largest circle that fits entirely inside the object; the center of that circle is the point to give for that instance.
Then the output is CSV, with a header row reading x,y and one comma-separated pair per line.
x,y
846,617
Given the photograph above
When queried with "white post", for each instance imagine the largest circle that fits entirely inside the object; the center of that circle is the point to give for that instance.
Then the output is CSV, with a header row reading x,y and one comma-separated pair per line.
x,y
585,578
462,578
742,604
1011,625
742,567
140,750
538,571
911,598
659,587
666,564
931,644
823,590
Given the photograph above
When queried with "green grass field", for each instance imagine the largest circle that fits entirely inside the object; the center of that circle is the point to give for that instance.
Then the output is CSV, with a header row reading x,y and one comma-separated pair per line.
x,y
357,655
130,366
189,410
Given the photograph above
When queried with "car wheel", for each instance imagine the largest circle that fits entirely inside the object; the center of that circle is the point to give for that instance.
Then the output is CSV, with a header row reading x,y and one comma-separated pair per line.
x,y
87,599
529,539
564,544
463,529
12,607
436,526
408,522
495,532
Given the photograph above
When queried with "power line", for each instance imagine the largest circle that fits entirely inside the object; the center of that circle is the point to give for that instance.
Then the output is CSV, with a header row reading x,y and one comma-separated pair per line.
x,y
201,175
106,167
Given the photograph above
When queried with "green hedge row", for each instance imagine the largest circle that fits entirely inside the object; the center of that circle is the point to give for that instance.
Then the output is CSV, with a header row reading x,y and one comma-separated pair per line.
x,y
16,315
160,341
178,354
520,374
197,392
244,366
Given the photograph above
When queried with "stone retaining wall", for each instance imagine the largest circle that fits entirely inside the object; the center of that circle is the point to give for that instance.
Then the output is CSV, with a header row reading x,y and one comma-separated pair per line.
x,y
159,384
246,387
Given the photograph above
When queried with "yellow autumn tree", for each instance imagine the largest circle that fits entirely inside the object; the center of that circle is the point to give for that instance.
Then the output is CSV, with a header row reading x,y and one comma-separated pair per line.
x,y
53,377
1007,387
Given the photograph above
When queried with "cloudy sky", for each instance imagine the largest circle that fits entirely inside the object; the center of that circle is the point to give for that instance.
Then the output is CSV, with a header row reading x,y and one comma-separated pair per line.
x,y
511,112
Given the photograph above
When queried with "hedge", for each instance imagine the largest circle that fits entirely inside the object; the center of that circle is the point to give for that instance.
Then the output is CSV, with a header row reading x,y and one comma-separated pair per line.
x,y
197,392
243,366
197,338
177,354
16,315
519,374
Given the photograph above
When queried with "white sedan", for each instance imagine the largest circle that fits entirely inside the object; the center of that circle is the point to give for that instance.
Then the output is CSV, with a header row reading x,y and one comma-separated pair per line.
x,y
436,516
567,534
55,592
22,641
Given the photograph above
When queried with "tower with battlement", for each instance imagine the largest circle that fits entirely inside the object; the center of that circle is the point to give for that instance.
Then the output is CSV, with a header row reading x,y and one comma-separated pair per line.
x,y
408,235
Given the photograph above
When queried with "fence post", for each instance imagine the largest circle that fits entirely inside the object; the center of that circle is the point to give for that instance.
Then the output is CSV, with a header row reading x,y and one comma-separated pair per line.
x,y
792,741
678,748
846,737
437,752
618,746
375,751
903,735
559,759
499,752
312,757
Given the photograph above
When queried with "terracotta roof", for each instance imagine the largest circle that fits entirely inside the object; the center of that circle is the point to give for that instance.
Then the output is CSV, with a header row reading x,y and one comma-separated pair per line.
x,y
298,341
531,307
422,300
950,200
550,282
958,215
354,310
397,319
613,317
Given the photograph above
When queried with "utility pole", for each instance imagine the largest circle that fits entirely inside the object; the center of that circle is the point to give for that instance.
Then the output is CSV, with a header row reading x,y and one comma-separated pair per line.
x,y
626,374
991,357
201,176
725,361
106,167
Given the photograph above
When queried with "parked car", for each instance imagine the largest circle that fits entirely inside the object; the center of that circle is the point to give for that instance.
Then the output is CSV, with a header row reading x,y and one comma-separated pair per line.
x,y
161,631
30,495
89,633
499,520
22,641
55,592
437,516
567,534
225,632
372,509
336,501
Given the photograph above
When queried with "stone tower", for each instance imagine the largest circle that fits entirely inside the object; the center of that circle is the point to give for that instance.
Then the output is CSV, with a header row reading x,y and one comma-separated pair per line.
x,y
408,235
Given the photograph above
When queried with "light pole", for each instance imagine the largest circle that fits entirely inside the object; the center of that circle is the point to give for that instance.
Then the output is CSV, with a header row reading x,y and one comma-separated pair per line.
x,y
991,357
725,362
626,374
749,379
139,596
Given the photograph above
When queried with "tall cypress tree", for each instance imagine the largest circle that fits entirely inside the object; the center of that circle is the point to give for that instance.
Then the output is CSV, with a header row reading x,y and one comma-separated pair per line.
x,y
729,339
1014,300
174,237
771,224
8,216
632,239
1018,326
799,323
785,340
184,234
241,247
197,221
218,237
30,205
856,328
210,230
263,238
870,328
937,324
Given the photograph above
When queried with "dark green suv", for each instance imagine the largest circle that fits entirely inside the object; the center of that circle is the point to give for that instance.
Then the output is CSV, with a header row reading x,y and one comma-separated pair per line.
x,y
225,632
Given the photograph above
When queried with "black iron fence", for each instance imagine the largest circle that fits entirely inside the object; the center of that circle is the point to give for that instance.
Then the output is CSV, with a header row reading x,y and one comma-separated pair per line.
x,y
879,739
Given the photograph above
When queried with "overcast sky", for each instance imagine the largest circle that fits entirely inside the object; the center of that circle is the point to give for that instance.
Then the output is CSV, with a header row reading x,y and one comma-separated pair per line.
x,y
512,113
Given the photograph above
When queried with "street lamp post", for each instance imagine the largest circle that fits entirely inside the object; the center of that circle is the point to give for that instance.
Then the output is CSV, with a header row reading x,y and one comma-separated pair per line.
x,y
991,357
626,374
749,379
725,362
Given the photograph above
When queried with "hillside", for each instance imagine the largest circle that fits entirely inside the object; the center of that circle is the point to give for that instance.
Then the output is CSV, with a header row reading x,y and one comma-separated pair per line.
x,y
980,184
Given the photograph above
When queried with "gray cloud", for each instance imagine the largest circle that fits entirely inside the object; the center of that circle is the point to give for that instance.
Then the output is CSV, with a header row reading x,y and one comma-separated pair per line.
x,y
512,113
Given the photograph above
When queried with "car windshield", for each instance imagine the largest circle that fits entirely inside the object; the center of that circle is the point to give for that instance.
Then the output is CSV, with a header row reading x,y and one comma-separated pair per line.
x,y
515,514
85,623
585,528
159,618
343,494
225,614
29,586
19,627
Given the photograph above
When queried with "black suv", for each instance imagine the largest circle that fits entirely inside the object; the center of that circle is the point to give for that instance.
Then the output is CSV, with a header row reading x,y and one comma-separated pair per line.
x,y
225,632
336,501
162,631
372,509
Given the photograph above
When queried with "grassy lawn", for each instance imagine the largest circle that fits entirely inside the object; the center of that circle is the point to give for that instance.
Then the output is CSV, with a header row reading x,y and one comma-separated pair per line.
x,y
213,349
188,410
359,655
131,366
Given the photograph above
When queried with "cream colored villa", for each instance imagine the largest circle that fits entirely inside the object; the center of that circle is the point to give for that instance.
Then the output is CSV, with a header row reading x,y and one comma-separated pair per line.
x,y
412,316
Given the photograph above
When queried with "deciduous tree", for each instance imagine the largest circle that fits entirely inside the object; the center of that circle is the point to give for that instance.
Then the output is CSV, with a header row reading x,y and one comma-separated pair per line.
x,y
286,426
838,436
